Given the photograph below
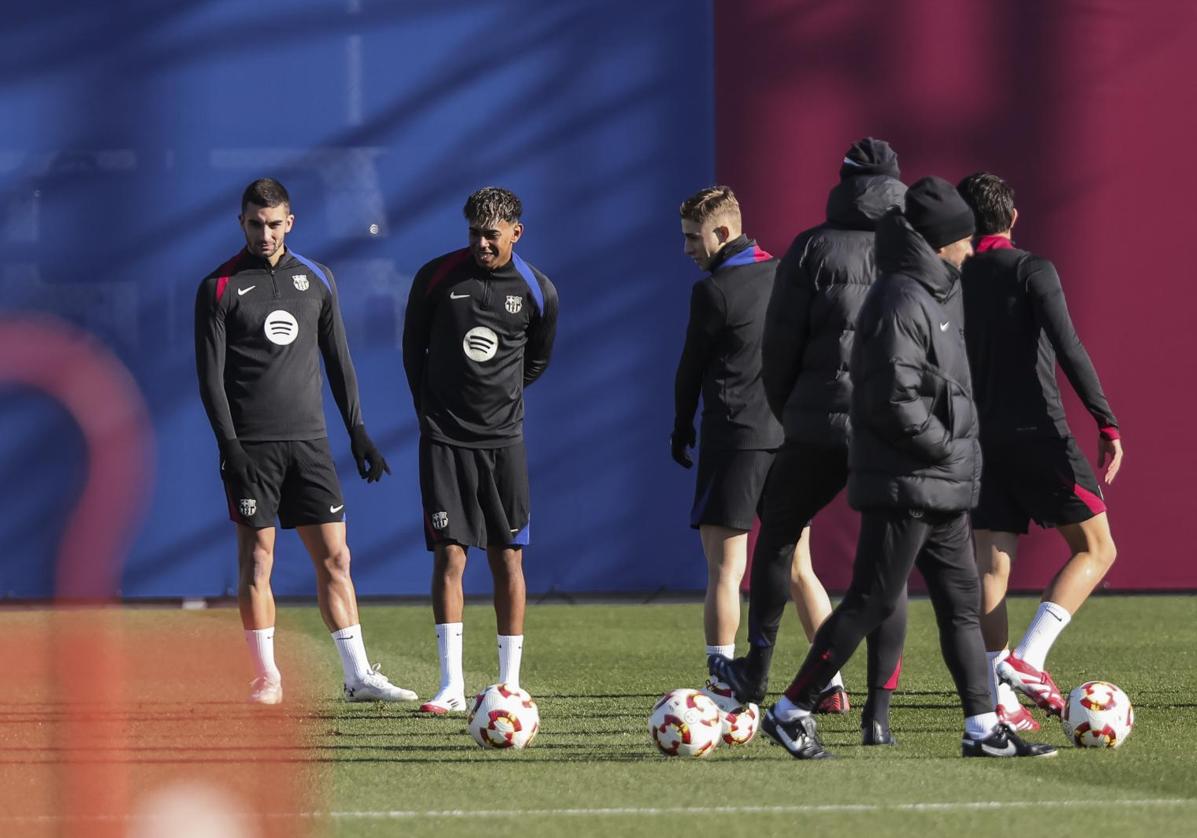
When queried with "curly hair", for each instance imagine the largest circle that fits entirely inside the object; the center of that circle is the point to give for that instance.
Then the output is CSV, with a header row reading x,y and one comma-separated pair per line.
x,y
493,203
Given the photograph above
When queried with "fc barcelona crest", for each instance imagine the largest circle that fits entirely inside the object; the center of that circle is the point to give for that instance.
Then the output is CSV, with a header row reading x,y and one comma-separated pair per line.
x,y
301,282
514,303
248,507
440,520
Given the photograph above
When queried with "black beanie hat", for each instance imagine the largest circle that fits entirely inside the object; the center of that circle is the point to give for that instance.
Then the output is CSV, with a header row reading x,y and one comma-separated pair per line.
x,y
870,157
935,209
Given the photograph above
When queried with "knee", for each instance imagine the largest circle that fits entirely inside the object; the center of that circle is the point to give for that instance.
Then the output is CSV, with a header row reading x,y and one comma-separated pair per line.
x,y
450,562
337,564
256,566
507,562
1105,552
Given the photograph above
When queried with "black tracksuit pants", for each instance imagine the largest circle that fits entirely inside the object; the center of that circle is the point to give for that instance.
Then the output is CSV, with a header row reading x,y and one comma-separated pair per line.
x,y
804,479
892,542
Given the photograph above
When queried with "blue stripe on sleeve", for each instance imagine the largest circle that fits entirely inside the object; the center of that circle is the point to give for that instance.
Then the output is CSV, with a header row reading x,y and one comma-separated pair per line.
x,y
525,270
314,269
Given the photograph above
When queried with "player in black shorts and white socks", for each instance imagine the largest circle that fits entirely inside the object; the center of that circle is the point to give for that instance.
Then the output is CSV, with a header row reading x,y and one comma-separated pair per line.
x,y
263,321
1018,326
721,361
479,328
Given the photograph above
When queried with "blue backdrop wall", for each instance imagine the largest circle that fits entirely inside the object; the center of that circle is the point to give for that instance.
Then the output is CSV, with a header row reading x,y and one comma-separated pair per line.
x,y
129,131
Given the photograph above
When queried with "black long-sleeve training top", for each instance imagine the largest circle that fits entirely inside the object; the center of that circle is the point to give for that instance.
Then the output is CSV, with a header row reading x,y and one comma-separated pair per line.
x,y
473,339
1016,327
259,335
721,358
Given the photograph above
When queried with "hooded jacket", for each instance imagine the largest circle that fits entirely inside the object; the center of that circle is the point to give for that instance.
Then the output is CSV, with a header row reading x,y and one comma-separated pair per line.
x,y
821,284
914,425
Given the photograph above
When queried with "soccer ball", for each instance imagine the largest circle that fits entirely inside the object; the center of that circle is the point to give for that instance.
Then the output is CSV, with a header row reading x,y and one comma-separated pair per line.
x,y
684,723
1098,715
738,723
503,716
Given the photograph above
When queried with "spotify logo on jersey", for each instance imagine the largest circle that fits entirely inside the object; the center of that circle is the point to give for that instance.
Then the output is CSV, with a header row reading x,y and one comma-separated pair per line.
x,y
480,344
281,327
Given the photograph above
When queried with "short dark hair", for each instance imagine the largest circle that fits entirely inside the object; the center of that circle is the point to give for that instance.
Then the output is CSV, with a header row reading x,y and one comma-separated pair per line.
x,y
265,192
493,203
992,202
708,203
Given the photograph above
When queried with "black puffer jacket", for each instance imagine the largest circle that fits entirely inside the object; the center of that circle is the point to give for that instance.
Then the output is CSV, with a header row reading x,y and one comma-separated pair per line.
x,y
914,425
821,283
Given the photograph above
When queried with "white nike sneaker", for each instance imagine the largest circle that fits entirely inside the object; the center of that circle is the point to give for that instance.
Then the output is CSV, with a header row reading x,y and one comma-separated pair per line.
x,y
445,701
377,687
265,690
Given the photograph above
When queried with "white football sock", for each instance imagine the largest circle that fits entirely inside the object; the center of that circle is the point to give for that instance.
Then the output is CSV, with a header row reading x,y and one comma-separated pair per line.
x,y
837,680
448,646
1045,627
511,652
786,711
999,690
978,727
261,649
728,651
352,650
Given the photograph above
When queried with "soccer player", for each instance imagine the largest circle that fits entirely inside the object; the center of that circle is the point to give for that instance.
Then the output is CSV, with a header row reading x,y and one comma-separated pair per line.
x,y
263,320
821,283
914,472
479,328
1018,326
721,360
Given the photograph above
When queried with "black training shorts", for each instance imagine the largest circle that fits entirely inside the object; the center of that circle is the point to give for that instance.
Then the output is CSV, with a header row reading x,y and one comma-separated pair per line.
x,y
475,497
1047,480
729,487
297,481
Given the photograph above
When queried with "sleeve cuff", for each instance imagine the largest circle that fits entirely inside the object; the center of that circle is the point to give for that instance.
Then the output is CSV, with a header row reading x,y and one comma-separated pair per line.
x,y
1110,432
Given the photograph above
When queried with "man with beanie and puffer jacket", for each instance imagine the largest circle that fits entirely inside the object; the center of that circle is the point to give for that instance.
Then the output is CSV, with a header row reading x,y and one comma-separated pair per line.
x,y
821,284
915,469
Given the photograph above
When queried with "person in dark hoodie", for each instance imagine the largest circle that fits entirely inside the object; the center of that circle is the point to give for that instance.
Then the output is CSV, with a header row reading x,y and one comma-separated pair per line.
x,y
821,283
915,468
721,361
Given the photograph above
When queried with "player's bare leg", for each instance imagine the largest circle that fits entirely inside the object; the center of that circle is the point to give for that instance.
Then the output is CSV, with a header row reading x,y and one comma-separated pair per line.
x,y
337,599
813,607
1093,554
448,568
255,601
996,552
507,570
727,555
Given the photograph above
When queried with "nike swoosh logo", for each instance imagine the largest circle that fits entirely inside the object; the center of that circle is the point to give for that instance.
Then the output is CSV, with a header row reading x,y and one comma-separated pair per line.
x,y
242,291
453,296
943,327
335,509
1009,750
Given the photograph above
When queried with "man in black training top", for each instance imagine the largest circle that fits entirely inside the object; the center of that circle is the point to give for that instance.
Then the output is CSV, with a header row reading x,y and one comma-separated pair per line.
x,y
821,283
1018,325
479,328
915,470
721,360
263,320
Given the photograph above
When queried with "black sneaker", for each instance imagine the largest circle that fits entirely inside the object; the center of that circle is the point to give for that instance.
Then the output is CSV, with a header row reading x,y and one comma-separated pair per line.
x,y
800,737
876,733
1003,742
735,674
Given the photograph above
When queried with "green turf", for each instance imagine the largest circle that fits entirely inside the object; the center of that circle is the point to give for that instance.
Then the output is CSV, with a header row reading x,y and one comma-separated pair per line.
x,y
596,670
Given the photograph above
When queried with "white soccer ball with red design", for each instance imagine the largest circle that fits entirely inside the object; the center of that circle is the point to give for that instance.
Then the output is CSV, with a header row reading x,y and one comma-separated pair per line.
x,y
738,723
503,716
1098,715
685,723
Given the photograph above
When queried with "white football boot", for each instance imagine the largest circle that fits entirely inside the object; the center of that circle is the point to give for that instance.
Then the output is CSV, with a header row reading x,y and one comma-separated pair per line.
x,y
447,700
264,690
377,687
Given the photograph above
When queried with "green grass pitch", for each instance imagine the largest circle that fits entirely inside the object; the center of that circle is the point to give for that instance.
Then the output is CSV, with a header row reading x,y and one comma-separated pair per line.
x,y
596,669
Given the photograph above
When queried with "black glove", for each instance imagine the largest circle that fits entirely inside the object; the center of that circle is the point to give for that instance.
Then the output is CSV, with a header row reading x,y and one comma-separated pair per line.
x,y
235,464
370,464
682,438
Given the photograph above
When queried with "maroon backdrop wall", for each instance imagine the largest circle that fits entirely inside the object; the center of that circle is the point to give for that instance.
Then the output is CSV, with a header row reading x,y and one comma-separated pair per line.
x,y
1086,108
